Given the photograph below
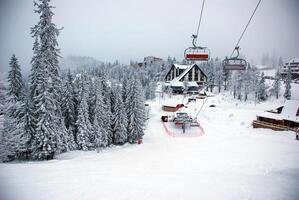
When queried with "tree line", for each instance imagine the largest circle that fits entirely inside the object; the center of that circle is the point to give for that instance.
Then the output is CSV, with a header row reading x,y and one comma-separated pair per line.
x,y
53,113
246,83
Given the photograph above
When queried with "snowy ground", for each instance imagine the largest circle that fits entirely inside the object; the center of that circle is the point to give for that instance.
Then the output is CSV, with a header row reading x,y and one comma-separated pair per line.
x,y
230,161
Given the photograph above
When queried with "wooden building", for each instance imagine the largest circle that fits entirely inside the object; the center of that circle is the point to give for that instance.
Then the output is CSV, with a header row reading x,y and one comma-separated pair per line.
x,y
285,117
185,78
294,66
172,107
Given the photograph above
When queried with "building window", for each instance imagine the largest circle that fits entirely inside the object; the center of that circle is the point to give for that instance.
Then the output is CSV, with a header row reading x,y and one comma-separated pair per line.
x,y
196,75
201,77
190,76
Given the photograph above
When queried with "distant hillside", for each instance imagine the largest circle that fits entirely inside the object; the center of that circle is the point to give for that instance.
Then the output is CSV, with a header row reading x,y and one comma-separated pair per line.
x,y
79,62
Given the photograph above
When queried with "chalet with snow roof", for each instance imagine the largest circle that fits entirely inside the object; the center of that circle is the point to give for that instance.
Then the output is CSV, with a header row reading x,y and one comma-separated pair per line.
x,y
282,118
185,77
294,65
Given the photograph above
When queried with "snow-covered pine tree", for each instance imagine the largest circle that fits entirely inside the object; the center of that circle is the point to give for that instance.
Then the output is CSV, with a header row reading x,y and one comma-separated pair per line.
x,y
26,129
247,82
34,69
91,100
2,93
15,81
239,84
277,84
218,79
119,119
84,126
68,104
68,110
126,95
262,95
280,62
14,96
9,140
210,71
100,133
49,131
150,90
226,78
108,116
124,92
135,111
288,80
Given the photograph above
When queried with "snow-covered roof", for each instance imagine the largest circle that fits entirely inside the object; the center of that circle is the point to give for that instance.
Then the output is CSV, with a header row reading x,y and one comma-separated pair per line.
x,y
176,81
177,66
294,60
172,102
192,84
288,112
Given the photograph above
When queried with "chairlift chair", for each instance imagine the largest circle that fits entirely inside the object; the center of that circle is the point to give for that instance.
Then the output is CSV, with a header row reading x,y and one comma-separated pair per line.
x,y
234,63
197,53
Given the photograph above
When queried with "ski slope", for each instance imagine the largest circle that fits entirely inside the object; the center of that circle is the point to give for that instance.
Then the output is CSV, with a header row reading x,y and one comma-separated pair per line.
x,y
230,161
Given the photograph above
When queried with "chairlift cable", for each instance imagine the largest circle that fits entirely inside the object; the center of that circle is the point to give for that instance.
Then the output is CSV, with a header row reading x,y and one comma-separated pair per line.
x,y
199,22
246,27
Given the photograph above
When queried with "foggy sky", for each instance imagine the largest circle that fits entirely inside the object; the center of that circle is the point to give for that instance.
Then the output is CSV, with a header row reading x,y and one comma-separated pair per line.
x,y
132,29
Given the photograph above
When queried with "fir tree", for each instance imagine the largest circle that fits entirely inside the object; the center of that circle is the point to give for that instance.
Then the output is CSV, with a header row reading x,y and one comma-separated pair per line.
x,y
119,119
68,104
68,111
83,124
108,115
277,84
8,142
15,88
101,135
91,101
11,127
262,96
50,133
135,112
287,93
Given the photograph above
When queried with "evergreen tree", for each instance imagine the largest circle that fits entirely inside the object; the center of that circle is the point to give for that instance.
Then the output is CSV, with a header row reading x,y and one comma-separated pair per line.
x,y
68,111
91,101
287,93
218,77
50,133
246,82
100,133
277,84
8,142
135,111
11,128
84,126
150,90
2,94
262,96
108,115
15,88
26,129
119,119
239,85
68,104
280,62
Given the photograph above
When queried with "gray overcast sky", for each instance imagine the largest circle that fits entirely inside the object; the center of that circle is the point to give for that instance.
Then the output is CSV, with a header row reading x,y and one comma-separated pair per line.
x,y
131,29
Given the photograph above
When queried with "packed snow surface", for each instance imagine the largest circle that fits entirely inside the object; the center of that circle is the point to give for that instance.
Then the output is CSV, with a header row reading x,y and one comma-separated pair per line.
x,y
230,161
